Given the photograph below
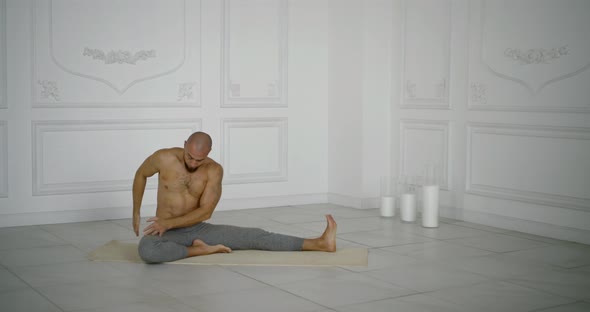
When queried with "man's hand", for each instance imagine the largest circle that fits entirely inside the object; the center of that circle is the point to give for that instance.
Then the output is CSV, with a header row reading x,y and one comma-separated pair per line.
x,y
158,227
136,220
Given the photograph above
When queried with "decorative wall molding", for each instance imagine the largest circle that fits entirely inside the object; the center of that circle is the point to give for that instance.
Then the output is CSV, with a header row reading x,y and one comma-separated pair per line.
x,y
535,56
410,90
256,177
49,90
411,98
40,128
3,69
277,89
186,91
119,56
441,91
444,127
3,159
541,198
530,56
122,56
479,93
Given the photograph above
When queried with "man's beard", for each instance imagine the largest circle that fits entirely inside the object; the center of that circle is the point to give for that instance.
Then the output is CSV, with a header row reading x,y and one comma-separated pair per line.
x,y
189,169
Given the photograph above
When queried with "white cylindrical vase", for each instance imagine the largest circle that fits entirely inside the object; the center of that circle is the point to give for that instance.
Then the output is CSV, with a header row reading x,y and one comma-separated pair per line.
x,y
408,207
387,206
430,206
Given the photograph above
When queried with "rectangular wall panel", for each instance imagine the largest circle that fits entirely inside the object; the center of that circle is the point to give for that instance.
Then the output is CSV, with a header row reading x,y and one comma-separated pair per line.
x,y
425,143
254,64
99,156
254,150
541,165
114,53
3,159
427,42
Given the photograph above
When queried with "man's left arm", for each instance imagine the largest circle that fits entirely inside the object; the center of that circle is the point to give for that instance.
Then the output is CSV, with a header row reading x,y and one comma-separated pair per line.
x,y
208,202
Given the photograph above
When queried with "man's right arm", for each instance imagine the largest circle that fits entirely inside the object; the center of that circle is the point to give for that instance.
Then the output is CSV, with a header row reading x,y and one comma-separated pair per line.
x,y
147,169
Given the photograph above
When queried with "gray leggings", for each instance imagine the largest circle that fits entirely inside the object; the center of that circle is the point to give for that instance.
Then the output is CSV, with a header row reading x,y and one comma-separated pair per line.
x,y
173,244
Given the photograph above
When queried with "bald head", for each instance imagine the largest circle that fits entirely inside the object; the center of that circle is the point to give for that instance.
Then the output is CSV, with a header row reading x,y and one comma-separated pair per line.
x,y
200,141
196,149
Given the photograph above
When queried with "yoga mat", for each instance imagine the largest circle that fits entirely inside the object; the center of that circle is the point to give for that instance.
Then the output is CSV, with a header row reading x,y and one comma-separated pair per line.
x,y
116,251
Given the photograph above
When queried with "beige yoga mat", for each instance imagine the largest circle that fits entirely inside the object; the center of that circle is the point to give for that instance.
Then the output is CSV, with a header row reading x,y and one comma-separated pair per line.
x,y
127,252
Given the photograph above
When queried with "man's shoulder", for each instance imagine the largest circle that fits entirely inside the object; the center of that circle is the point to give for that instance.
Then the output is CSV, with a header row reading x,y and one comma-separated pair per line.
x,y
172,151
214,167
167,154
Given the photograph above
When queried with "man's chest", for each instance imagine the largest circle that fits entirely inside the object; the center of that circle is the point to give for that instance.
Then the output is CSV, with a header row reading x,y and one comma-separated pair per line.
x,y
179,180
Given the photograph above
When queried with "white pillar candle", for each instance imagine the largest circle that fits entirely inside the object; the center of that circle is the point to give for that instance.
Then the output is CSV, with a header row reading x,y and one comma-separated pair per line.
x,y
408,207
430,206
387,206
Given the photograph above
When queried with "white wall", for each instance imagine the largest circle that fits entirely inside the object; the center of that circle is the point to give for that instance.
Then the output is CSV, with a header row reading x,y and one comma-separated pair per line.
x,y
75,126
497,93
359,109
333,93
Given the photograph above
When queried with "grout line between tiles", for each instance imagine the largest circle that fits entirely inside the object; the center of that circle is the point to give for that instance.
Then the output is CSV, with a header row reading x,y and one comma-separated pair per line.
x,y
282,290
34,289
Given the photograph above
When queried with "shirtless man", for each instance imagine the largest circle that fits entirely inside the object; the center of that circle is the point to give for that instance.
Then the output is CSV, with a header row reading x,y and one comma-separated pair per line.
x,y
189,188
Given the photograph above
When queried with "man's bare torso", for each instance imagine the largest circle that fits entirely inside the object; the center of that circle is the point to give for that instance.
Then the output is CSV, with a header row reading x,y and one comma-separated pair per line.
x,y
179,191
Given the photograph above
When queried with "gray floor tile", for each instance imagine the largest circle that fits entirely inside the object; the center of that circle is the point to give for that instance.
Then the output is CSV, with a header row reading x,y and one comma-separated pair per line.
x,y
543,239
571,307
68,273
92,295
426,276
41,255
412,303
27,237
526,272
281,275
90,232
9,281
498,266
481,227
25,300
565,256
566,283
383,239
380,259
182,280
497,242
255,300
149,305
344,289
436,250
498,296
447,231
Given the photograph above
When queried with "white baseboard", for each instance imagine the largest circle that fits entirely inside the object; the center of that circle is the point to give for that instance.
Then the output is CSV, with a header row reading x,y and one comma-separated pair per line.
x,y
112,213
354,202
527,226
343,200
71,216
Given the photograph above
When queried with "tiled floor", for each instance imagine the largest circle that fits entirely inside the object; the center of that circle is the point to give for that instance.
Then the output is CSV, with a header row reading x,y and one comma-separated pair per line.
x,y
459,266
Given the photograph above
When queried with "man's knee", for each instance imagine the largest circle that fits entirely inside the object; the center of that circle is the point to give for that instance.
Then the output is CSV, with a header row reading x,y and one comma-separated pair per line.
x,y
148,249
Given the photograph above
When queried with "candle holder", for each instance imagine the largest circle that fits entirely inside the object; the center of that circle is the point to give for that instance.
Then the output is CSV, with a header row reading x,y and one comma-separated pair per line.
x,y
408,199
387,197
430,196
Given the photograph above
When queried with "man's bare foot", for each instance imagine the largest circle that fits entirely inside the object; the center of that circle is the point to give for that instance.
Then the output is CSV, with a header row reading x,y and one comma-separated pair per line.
x,y
199,248
326,242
